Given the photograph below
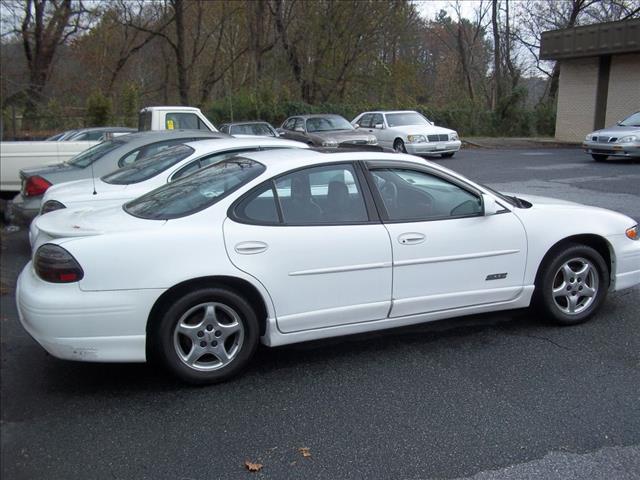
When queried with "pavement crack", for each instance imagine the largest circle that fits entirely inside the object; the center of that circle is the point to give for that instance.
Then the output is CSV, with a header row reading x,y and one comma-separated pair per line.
x,y
537,337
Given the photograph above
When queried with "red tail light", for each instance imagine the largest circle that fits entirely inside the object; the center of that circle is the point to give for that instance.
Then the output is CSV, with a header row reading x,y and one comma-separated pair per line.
x,y
54,264
35,186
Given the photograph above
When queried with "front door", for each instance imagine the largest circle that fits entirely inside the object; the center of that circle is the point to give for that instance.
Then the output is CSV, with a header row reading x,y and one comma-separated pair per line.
x,y
310,240
446,253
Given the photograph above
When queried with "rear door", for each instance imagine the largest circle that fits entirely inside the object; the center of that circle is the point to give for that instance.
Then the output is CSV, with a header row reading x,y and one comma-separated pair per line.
x,y
311,238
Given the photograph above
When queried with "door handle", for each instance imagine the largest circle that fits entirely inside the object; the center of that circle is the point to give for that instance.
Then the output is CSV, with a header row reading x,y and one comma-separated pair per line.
x,y
411,238
251,248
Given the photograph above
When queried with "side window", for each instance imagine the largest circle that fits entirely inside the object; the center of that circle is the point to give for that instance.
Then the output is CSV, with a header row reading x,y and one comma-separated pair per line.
x,y
299,123
148,150
186,121
365,121
288,125
209,160
321,195
412,195
259,207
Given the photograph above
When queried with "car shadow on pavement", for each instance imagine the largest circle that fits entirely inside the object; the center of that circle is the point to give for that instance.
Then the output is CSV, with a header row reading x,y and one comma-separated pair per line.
x,y
128,379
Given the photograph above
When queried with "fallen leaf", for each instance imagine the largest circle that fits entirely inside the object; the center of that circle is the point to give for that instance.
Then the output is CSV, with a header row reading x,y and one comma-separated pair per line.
x,y
253,467
305,451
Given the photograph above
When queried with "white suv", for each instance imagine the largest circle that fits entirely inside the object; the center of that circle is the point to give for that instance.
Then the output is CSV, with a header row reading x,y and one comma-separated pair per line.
x,y
408,131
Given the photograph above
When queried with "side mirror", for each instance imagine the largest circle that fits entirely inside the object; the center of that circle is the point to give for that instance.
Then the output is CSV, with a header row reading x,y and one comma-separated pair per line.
x,y
276,133
491,207
379,126
356,125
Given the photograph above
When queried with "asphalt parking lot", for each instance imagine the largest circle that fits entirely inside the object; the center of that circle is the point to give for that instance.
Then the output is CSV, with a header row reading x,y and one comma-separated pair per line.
x,y
493,396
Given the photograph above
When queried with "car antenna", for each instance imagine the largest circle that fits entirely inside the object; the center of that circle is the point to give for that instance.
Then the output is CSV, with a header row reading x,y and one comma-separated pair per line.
x,y
93,177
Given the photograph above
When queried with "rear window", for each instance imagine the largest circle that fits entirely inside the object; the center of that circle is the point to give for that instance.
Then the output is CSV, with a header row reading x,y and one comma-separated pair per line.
x,y
149,167
87,157
195,192
258,129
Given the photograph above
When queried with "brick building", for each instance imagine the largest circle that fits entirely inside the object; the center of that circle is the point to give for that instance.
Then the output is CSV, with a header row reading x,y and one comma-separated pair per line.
x,y
599,75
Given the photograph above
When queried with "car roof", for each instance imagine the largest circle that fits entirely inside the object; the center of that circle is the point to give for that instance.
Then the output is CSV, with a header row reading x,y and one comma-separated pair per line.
x,y
202,147
160,135
389,111
282,161
250,122
316,115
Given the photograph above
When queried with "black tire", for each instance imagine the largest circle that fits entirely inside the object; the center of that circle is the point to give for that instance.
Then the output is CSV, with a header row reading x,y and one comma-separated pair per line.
x,y
448,154
167,343
398,146
599,157
557,306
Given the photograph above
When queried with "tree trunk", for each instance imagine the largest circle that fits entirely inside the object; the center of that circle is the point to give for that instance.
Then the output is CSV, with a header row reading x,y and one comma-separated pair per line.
x,y
181,64
497,62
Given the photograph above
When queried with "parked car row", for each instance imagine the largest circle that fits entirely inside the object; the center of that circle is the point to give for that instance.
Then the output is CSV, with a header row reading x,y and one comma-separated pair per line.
x,y
192,247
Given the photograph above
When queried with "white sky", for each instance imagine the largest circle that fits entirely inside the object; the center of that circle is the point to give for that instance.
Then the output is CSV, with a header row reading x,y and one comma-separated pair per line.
x,y
430,8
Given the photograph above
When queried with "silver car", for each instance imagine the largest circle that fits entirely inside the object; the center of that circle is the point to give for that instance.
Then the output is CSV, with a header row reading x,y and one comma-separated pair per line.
x,y
103,158
621,141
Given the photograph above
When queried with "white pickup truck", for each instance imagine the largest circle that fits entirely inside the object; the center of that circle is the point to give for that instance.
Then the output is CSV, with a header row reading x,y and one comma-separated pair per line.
x,y
173,118
16,156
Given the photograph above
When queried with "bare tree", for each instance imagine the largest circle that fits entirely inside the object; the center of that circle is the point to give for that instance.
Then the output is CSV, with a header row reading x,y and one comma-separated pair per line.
x,y
45,26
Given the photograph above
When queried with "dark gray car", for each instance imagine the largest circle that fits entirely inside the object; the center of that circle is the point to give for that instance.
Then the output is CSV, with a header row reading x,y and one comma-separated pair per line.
x,y
324,131
103,158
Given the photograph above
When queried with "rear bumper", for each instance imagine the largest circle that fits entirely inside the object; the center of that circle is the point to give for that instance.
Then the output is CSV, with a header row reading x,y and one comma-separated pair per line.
x,y
104,326
433,148
622,150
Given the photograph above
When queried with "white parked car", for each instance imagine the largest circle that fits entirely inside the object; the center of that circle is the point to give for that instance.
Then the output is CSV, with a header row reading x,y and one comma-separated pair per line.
x,y
292,245
140,177
409,132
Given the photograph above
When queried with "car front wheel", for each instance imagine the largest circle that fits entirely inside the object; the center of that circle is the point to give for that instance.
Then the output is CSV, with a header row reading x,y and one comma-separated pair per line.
x,y
207,335
398,146
573,285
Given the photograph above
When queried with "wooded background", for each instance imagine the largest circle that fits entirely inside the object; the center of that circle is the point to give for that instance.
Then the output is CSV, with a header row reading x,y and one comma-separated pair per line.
x,y
70,63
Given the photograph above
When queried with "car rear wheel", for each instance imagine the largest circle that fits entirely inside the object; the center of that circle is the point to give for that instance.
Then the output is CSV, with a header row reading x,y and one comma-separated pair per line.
x,y
573,284
207,335
398,146
448,155
599,157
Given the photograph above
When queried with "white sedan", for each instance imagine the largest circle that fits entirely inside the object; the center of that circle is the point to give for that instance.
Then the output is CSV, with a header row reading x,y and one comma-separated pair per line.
x,y
143,176
293,245
407,131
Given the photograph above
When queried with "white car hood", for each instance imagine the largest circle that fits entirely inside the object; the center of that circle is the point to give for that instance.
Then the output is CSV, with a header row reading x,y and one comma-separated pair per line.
x,y
82,222
537,200
424,130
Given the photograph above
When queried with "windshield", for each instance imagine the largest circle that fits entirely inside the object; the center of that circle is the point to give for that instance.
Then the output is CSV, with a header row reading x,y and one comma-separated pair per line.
x,y
196,191
631,121
90,155
259,129
327,124
409,118
149,167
